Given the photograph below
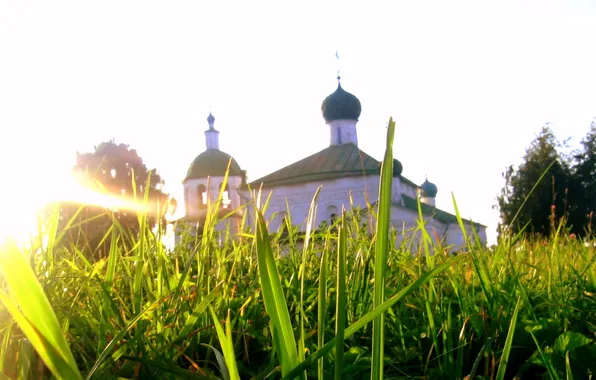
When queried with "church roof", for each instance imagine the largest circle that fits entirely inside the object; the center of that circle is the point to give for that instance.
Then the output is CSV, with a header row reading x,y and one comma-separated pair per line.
x,y
214,163
333,162
428,210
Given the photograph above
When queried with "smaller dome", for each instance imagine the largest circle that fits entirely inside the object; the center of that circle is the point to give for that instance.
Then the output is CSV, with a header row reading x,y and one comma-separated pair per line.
x,y
429,189
213,163
397,168
210,118
341,105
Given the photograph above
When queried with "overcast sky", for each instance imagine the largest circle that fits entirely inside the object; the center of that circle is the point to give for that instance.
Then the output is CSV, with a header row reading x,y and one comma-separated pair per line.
x,y
469,83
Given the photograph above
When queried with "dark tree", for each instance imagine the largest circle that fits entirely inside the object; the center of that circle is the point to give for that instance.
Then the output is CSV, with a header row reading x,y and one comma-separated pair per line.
x,y
548,203
121,173
584,173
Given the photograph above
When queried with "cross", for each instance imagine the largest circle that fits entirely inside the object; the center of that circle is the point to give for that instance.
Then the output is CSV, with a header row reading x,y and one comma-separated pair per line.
x,y
337,56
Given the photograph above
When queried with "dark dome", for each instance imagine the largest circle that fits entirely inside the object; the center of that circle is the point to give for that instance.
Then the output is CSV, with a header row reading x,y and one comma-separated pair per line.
x,y
210,118
429,189
214,163
397,168
341,105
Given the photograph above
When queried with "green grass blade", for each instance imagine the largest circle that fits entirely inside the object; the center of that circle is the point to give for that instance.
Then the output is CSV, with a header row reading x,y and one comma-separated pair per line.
x,y
508,342
35,308
479,263
228,367
545,359
118,337
322,307
568,367
312,212
382,246
274,298
196,313
46,350
340,308
370,316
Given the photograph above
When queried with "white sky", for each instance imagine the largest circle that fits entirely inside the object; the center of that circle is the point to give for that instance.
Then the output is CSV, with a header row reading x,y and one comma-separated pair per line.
x,y
468,83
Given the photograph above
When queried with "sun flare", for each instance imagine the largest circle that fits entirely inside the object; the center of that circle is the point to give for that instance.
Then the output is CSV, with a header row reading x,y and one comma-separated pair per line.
x,y
20,213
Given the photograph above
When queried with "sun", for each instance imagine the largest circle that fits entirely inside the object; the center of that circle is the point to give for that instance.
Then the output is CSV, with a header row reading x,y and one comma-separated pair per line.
x,y
19,214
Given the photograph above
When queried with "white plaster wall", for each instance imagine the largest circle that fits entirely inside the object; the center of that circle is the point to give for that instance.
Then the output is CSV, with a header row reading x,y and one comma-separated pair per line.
x,y
409,190
334,193
211,139
343,132
428,200
455,236
192,197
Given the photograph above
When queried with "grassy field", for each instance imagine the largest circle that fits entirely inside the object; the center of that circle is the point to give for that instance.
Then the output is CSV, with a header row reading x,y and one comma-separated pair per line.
x,y
347,305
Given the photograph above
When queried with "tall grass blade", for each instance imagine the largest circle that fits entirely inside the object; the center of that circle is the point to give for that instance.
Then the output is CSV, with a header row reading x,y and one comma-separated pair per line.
x,y
36,317
340,305
322,307
508,342
118,337
545,359
274,298
228,367
370,316
46,350
312,212
382,246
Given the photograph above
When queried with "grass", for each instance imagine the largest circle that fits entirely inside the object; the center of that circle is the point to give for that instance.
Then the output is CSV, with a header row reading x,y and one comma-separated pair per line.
x,y
347,305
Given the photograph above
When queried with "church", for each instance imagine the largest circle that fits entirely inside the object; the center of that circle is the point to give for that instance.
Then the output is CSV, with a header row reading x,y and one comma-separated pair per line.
x,y
348,177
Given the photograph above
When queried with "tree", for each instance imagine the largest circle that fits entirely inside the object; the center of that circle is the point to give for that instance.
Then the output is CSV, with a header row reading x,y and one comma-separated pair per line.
x,y
121,174
547,204
584,173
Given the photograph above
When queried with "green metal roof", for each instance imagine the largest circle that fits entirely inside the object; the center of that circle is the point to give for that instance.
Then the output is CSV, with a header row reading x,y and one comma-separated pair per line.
x,y
436,213
212,163
333,162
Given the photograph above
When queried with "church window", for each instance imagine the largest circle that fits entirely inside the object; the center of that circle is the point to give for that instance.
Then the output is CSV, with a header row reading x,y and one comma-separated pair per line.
x,y
333,218
225,197
202,193
332,213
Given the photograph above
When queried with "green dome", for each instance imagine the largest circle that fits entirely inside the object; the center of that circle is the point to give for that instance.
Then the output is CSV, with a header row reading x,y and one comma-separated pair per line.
x,y
214,163
341,105
397,168
429,189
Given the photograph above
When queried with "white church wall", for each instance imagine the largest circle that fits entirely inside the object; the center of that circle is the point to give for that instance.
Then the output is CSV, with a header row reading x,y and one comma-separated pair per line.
x,y
334,195
455,236
409,190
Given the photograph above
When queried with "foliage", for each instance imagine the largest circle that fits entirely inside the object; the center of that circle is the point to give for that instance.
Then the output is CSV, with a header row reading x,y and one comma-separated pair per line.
x,y
536,194
116,170
585,183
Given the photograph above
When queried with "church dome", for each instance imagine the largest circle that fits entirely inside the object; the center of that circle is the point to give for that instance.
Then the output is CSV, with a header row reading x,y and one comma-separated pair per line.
x,y
210,118
398,168
214,163
429,189
341,105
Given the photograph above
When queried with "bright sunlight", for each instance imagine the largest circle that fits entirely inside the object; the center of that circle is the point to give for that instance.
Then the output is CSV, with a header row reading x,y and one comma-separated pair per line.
x,y
20,212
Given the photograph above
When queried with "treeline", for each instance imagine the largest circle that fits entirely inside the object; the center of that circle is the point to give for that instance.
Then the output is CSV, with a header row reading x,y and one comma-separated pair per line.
x,y
551,189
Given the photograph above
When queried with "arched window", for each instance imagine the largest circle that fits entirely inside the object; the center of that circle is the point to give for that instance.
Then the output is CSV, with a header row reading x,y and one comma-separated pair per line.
x,y
225,196
332,213
202,194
